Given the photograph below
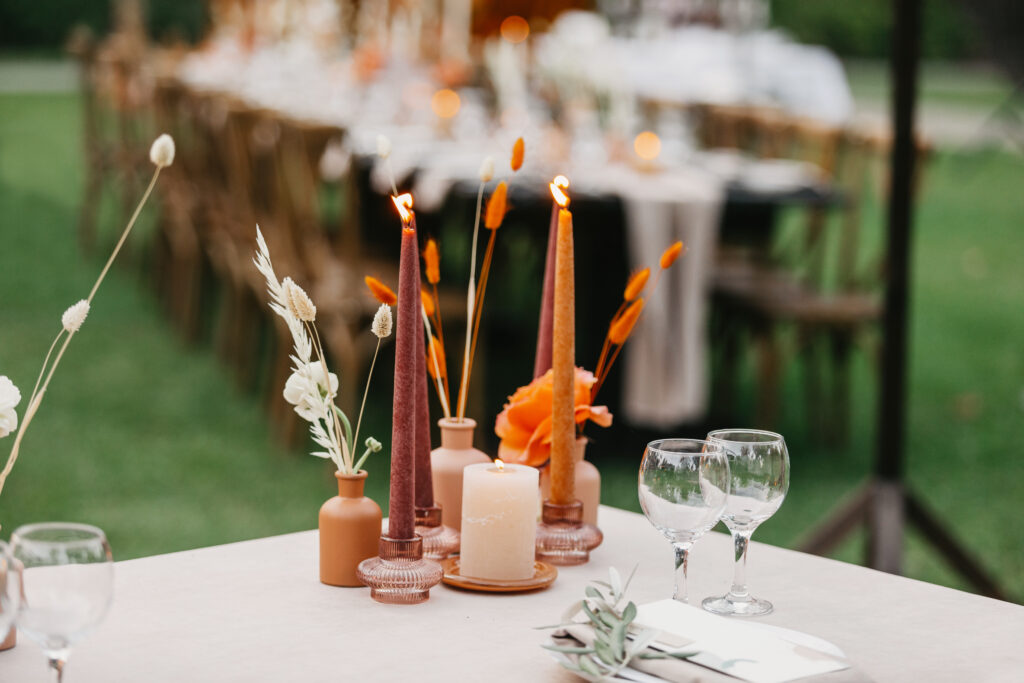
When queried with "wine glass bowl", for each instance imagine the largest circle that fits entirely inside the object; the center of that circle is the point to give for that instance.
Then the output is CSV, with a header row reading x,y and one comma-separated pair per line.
x,y
759,473
67,584
10,589
683,488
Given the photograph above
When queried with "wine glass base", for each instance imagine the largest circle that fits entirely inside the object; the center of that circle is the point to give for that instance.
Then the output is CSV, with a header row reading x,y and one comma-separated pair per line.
x,y
731,607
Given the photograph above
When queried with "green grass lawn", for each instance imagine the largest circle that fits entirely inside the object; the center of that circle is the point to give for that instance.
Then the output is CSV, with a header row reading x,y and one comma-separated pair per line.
x,y
150,440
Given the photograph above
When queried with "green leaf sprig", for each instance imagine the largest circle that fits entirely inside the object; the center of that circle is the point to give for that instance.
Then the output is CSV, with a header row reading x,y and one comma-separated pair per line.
x,y
617,640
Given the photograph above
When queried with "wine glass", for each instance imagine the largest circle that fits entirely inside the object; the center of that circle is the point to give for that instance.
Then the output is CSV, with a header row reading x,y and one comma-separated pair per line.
x,y
759,467
10,589
68,584
683,487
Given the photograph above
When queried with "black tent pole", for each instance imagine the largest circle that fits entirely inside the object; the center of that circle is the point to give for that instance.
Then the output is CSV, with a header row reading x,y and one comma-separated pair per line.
x,y
885,503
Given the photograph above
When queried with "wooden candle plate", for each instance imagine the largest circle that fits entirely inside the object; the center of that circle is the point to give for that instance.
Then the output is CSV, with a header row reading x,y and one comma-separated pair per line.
x,y
543,576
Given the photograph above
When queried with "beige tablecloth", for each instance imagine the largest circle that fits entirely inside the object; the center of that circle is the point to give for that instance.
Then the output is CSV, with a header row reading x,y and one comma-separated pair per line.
x,y
255,611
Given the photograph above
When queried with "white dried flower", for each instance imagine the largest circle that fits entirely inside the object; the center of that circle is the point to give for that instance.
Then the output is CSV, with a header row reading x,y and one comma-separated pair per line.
x,y
75,315
306,390
383,146
374,445
299,303
9,394
162,151
8,422
487,170
9,398
382,322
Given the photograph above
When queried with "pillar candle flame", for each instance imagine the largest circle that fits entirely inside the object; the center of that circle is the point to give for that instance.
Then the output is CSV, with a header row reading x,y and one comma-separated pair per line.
x,y
500,464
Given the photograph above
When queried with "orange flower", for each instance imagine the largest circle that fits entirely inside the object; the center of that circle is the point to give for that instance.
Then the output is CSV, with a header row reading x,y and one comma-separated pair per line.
x,y
669,256
436,351
635,285
524,426
622,326
496,207
518,149
428,303
432,261
380,291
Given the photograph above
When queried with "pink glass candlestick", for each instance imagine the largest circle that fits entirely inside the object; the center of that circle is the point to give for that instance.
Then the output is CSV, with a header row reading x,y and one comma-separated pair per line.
x,y
562,536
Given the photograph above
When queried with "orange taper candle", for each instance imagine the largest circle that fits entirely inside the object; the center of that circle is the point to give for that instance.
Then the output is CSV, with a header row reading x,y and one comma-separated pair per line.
x,y
563,365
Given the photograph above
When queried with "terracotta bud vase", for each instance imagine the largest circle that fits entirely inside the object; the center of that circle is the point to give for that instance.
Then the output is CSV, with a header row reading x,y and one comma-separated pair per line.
x,y
588,483
350,525
448,461
10,641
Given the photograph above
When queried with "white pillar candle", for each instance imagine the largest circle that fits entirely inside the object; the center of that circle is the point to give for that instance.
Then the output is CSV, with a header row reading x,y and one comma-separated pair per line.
x,y
499,521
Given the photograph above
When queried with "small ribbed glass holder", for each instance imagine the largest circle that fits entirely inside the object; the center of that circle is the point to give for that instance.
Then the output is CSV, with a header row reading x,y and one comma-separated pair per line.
x,y
400,575
439,541
562,537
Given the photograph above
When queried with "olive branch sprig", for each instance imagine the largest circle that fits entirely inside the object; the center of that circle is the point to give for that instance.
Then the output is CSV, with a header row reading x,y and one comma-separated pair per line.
x,y
617,640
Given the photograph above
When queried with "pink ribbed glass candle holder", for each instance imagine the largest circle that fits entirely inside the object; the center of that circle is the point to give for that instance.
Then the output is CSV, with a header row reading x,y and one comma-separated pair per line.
x,y
562,536
400,575
439,541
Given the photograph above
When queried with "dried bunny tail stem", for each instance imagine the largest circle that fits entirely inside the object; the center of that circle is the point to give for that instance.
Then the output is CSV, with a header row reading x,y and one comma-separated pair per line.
x,y
366,392
636,283
470,300
485,273
37,393
441,382
518,151
380,291
124,235
668,258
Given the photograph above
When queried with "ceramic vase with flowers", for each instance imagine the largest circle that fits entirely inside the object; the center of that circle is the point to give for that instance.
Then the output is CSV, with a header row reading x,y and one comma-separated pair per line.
x,y
349,523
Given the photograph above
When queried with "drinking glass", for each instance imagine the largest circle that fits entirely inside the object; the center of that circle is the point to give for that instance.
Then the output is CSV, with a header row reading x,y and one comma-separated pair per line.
x,y
683,487
10,589
759,469
68,584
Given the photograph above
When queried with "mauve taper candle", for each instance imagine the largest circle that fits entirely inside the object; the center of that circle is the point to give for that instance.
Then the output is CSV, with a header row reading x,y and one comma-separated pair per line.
x,y
542,362
424,479
401,513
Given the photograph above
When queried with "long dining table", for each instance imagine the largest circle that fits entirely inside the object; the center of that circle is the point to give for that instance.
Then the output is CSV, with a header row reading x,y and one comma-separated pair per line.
x,y
256,611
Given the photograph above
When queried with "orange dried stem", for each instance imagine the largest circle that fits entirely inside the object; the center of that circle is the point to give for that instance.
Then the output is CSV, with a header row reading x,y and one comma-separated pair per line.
x,y
485,272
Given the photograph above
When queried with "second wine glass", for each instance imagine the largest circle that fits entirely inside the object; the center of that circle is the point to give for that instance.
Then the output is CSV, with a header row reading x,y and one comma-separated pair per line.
x,y
683,487
68,584
759,470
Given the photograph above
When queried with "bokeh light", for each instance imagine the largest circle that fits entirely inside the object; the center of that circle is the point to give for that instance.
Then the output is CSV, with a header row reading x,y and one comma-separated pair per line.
x,y
445,103
647,145
515,29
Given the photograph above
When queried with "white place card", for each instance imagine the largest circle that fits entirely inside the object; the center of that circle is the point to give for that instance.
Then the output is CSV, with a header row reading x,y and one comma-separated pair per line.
x,y
748,651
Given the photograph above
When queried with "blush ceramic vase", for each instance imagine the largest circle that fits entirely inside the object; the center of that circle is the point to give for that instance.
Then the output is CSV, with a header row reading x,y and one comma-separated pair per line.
x,y
448,461
588,483
350,527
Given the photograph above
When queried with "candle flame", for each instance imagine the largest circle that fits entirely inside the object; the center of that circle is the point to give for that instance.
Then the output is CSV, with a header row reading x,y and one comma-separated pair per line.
x,y
500,464
557,186
403,203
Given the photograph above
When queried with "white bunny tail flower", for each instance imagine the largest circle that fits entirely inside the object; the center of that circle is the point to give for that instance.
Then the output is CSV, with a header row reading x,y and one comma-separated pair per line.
x,y
382,322
162,151
75,315
8,422
383,146
9,394
299,303
487,170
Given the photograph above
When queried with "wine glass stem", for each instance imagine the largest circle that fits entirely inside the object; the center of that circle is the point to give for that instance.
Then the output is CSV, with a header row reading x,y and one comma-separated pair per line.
x,y
57,664
682,551
740,540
